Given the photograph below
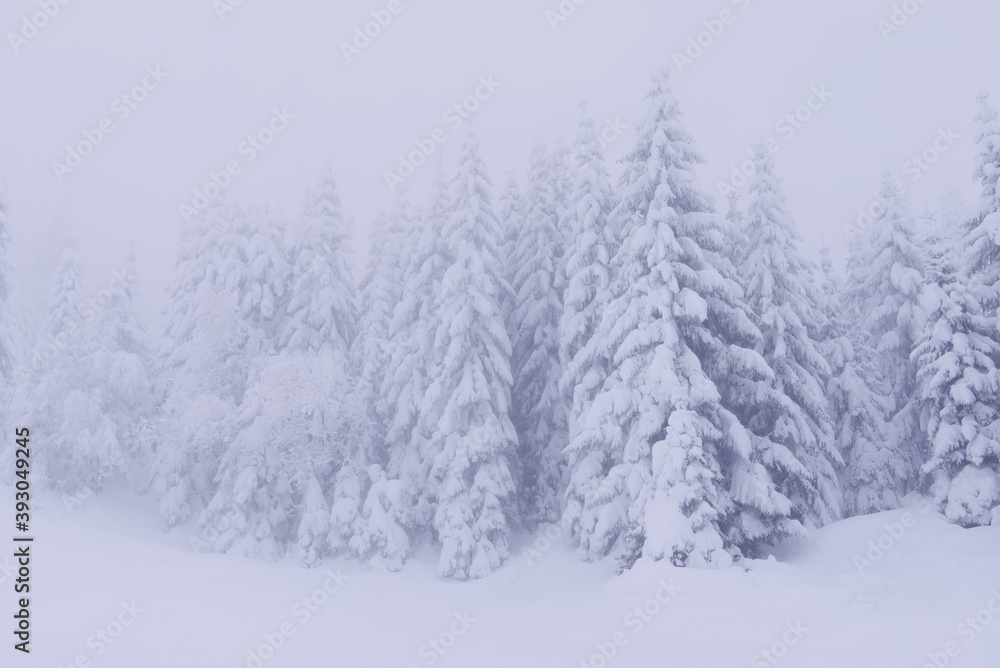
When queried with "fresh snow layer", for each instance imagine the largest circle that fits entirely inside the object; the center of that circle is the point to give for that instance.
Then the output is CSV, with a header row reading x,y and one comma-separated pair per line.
x,y
891,590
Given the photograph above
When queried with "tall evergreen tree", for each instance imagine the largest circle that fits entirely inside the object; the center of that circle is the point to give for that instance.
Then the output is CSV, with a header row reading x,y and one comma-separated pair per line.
x,y
660,469
380,291
874,474
322,306
121,376
512,214
228,293
987,141
409,376
959,358
793,424
472,437
538,409
941,236
83,451
411,345
298,424
362,524
592,242
886,268
288,429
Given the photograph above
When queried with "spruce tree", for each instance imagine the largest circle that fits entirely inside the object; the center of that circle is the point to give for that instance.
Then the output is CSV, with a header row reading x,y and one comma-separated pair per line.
x,y
585,362
959,358
886,278
83,451
538,408
793,424
875,474
322,305
122,371
472,437
659,467
380,291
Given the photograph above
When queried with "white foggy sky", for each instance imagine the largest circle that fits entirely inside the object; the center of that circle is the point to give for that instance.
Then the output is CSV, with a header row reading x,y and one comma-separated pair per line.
x,y
226,76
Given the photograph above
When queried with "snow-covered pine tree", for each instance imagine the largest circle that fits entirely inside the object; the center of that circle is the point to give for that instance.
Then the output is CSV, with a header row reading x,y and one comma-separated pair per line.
x,y
404,389
380,291
194,384
886,265
659,468
253,267
874,474
538,409
738,247
561,179
958,361
299,422
227,298
942,232
320,435
987,141
228,295
472,437
122,367
411,340
592,243
760,515
959,358
361,525
82,450
982,261
296,399
511,212
322,313
382,531
792,423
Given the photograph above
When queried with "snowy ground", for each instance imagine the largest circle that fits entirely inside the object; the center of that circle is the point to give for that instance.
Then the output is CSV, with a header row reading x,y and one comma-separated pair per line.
x,y
105,564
